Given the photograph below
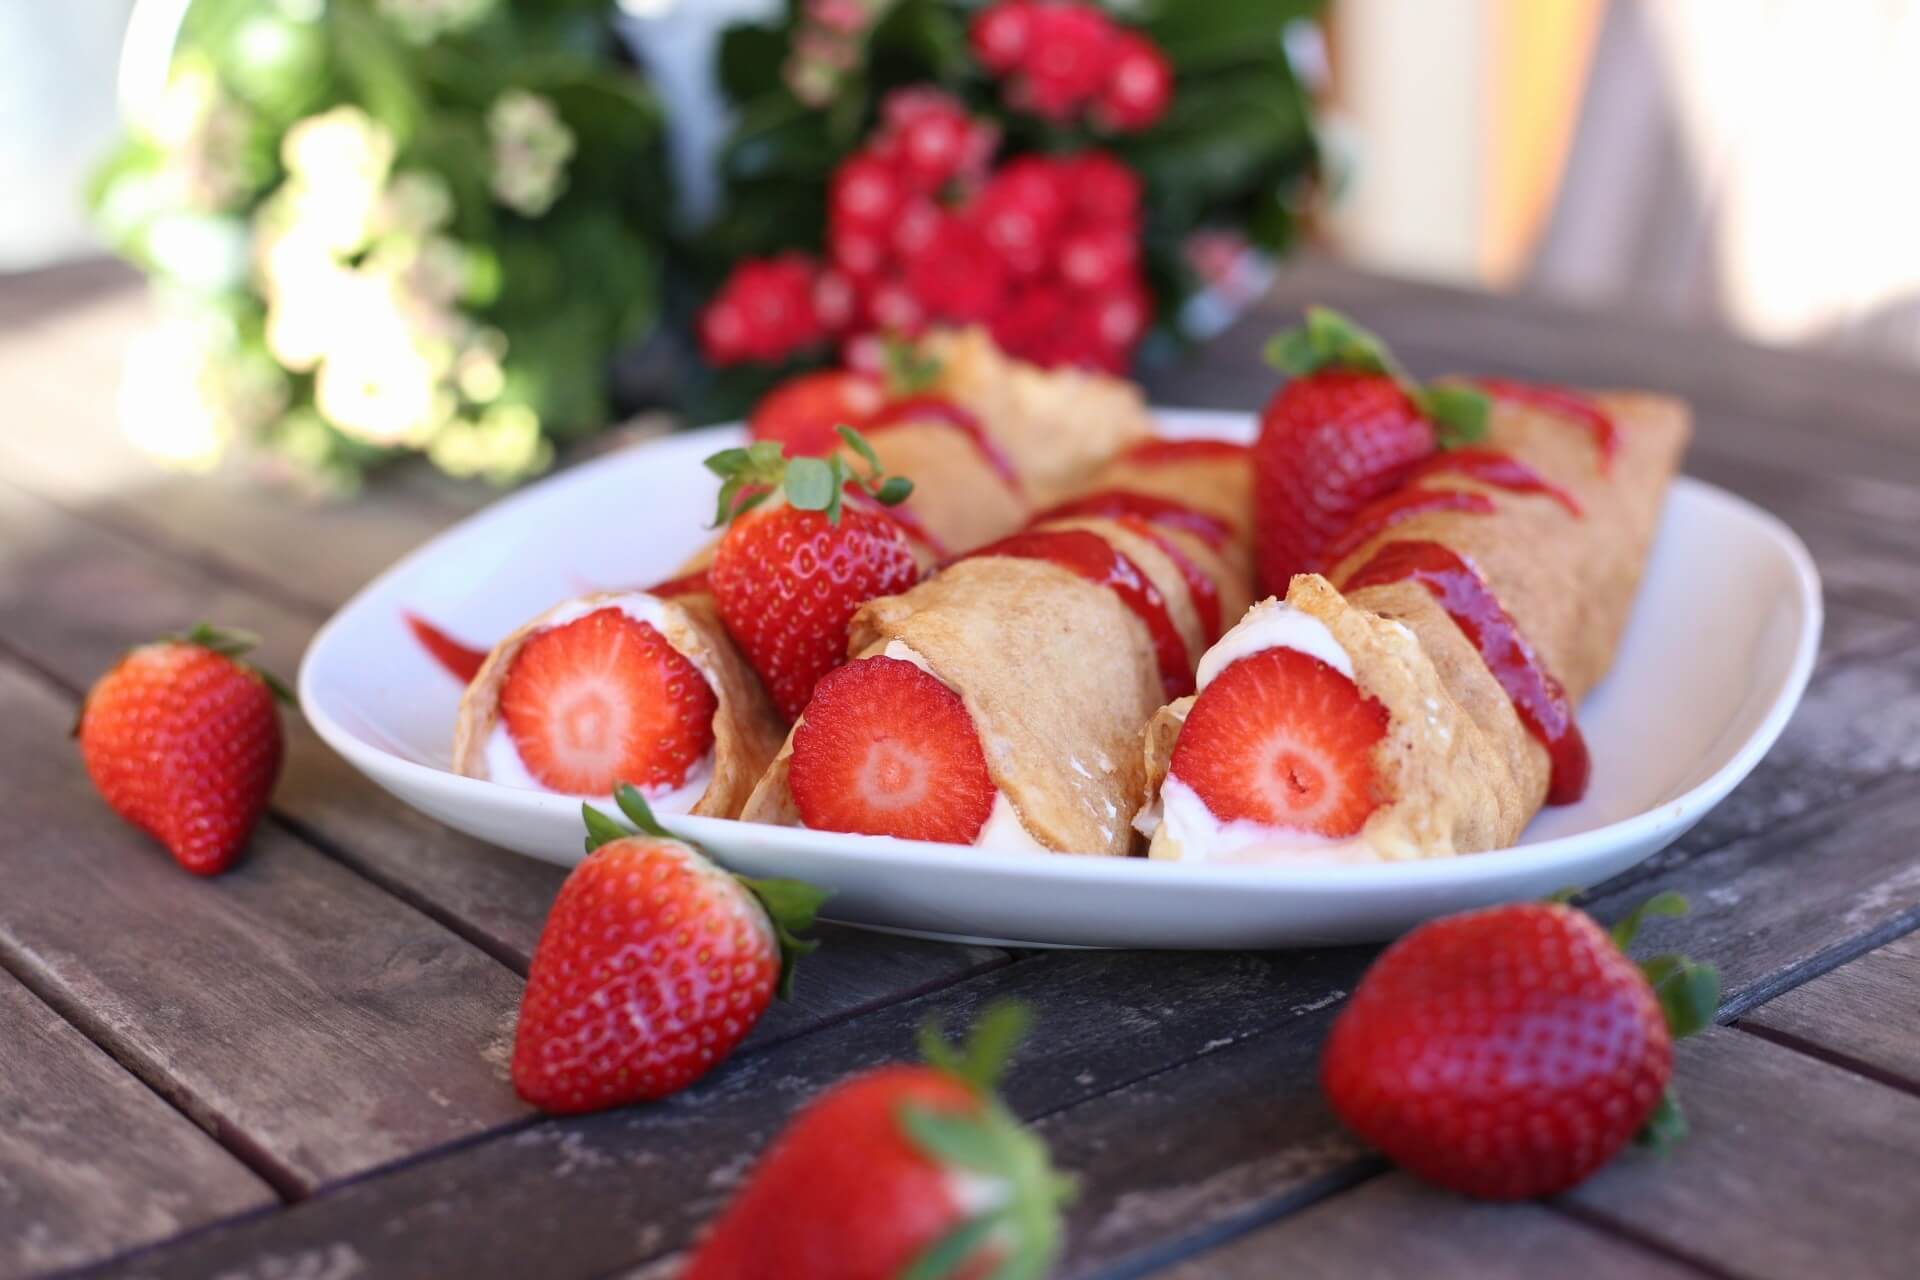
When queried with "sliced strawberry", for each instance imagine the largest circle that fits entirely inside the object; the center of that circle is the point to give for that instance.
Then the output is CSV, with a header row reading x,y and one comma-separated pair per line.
x,y
802,412
1281,738
885,749
605,699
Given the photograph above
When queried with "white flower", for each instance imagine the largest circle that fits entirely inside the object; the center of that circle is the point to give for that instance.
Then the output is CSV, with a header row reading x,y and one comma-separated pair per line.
x,y
415,203
383,395
531,146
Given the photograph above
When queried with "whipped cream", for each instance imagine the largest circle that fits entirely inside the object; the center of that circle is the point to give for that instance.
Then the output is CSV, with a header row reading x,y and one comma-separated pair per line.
x,y
1179,823
504,763
1004,832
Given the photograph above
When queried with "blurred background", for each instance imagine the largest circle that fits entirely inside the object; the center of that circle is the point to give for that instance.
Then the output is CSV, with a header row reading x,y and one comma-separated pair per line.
x,y
1744,164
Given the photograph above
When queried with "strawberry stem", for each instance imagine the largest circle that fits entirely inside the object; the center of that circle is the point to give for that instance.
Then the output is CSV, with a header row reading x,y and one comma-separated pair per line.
x,y
751,475
1329,340
232,643
790,905
907,370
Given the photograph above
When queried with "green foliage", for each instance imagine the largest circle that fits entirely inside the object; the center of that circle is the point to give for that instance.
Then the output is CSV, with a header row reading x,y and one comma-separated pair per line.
x,y
534,162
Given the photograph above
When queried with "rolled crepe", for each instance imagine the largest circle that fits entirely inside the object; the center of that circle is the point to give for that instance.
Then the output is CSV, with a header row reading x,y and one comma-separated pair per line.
x,y
1057,425
1058,673
1558,543
963,495
746,728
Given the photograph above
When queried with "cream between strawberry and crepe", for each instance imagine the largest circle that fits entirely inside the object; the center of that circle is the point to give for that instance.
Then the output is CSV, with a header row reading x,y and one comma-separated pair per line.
x,y
1416,698
999,703
642,687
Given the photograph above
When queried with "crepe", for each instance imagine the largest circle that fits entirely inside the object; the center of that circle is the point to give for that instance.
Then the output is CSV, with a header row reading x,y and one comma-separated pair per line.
x,y
1458,770
746,728
960,497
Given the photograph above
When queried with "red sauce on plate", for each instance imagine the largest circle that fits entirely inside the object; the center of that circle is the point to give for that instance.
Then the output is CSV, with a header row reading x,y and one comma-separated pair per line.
x,y
947,413
1567,403
1184,451
1500,470
461,661
1165,512
1090,556
1397,507
1539,699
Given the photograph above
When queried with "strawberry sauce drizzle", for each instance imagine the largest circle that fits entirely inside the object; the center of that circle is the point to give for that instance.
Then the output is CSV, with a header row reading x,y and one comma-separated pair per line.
x,y
1164,512
461,661
909,523
687,584
1499,470
1202,590
1560,400
938,409
1541,702
1185,451
1091,557
1397,507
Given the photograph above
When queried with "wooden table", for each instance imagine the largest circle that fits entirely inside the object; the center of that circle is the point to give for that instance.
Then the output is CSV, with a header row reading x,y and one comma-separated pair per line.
x,y
299,1069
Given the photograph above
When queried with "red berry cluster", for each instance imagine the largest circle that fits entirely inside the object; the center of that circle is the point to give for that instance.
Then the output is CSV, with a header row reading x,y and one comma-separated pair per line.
x,y
1044,251
1064,57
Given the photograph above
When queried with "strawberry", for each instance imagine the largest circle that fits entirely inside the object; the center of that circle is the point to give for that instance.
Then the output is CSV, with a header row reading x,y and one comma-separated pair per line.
x,y
886,749
1283,739
1510,1052
797,559
605,698
183,741
899,1171
652,966
1348,427
802,412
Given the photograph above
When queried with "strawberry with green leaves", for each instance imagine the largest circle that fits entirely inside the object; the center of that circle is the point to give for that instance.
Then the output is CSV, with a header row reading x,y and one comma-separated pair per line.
x,y
1348,427
651,968
807,542
183,740
918,1172
1509,1053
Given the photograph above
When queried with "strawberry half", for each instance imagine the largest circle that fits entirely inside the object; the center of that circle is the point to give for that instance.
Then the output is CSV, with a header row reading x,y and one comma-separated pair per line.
x,y
914,1171
886,749
797,559
605,698
652,966
1511,1052
1348,427
1281,738
801,413
183,740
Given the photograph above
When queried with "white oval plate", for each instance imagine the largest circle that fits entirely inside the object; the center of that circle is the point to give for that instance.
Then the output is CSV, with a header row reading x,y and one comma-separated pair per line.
x,y
1717,653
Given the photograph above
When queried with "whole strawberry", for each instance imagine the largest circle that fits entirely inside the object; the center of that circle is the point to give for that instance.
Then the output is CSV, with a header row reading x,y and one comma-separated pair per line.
x,y
652,966
1348,427
1511,1052
899,1171
183,740
798,558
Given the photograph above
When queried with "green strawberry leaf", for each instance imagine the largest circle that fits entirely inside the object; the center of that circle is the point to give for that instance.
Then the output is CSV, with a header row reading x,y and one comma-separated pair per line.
x,y
1668,903
979,1061
859,444
727,462
1329,340
1459,414
893,491
810,484
957,1138
639,812
791,905
943,1258
1688,992
908,371
1665,1127
600,828
1561,897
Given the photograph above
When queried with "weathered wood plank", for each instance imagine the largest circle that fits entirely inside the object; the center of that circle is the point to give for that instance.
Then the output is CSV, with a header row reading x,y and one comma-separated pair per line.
x,y
589,1195
91,1162
295,1011
1792,1167
74,596
1865,1014
1395,1226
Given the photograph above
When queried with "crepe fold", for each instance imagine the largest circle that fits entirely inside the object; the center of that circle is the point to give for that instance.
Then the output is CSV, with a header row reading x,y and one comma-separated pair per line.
x,y
1459,770
1058,673
1056,425
746,728
961,498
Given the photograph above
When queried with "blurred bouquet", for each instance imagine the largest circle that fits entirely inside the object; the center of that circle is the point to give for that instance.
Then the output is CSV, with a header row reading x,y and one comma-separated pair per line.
x,y
1069,175
384,226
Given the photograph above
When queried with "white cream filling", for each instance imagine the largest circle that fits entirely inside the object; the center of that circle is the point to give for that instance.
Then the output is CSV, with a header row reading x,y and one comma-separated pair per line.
x,y
1179,822
504,763
1004,832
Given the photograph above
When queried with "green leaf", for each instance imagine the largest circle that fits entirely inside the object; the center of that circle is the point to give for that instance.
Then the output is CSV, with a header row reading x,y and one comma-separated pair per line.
x,y
1688,992
600,828
1329,340
791,905
1564,896
1667,903
893,491
1459,414
810,484
944,1256
727,462
953,1137
1665,1127
638,812
983,1057
1291,352
859,445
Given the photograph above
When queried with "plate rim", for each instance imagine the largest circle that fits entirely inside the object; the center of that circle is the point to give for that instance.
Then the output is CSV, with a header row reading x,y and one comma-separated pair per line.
x,y
372,761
